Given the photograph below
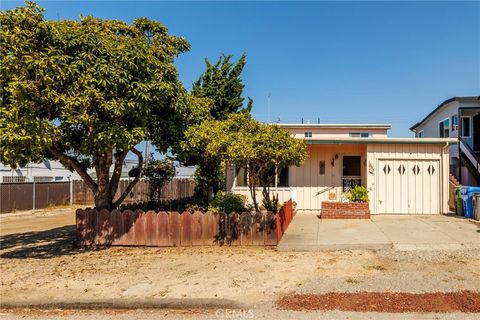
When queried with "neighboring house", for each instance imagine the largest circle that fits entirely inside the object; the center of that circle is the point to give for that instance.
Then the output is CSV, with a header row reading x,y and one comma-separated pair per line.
x,y
47,171
403,175
458,118
54,171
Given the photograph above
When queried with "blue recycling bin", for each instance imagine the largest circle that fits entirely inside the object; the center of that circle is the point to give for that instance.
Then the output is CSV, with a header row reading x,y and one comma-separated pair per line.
x,y
467,196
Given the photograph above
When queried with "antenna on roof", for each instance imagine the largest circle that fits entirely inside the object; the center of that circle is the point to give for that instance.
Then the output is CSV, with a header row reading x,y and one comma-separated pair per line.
x,y
302,120
318,120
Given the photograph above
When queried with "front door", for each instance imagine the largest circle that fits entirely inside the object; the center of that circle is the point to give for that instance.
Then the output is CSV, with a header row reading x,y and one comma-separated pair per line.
x,y
476,132
351,174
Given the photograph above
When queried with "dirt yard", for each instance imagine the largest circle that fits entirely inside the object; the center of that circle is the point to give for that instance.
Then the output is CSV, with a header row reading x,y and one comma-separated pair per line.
x,y
39,265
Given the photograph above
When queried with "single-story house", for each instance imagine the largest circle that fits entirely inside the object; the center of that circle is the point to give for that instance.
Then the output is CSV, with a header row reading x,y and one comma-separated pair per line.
x,y
402,175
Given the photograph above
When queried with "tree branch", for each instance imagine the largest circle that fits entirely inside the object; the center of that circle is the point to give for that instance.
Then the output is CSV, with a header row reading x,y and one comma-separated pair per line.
x,y
134,182
67,160
117,171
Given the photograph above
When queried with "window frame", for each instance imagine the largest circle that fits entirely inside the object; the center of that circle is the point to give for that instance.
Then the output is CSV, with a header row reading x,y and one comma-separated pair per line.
x,y
359,134
276,182
440,131
469,126
454,127
308,134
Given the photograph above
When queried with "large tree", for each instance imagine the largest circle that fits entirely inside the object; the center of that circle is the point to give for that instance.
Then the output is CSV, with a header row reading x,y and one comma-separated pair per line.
x,y
87,92
261,149
222,84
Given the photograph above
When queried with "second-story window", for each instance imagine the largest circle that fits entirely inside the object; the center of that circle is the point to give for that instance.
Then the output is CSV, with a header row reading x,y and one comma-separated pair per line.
x,y
465,127
359,134
444,128
454,122
308,134
420,134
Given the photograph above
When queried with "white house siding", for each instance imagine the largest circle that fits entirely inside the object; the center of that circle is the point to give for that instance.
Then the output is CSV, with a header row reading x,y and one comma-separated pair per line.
x,y
305,182
319,133
43,171
408,193
430,127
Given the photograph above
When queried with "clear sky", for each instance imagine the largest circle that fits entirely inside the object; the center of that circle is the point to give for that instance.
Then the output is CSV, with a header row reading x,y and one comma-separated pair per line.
x,y
342,62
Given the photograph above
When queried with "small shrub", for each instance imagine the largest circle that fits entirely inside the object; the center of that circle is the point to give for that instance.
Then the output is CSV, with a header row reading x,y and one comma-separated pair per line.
x,y
270,204
358,194
228,203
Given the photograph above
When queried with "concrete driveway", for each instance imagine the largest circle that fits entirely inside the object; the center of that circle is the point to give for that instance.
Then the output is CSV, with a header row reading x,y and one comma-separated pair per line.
x,y
403,232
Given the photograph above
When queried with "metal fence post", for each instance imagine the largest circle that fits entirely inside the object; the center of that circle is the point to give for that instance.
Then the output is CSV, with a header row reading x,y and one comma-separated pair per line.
x,y
33,195
71,191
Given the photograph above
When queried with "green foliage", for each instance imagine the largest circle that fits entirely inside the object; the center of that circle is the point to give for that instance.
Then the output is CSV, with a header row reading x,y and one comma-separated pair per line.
x,y
247,143
157,172
222,84
228,203
270,204
75,90
222,87
358,194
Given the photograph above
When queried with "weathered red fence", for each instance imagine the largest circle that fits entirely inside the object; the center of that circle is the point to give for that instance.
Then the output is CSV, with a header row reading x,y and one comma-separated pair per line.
x,y
284,217
163,229
167,229
174,189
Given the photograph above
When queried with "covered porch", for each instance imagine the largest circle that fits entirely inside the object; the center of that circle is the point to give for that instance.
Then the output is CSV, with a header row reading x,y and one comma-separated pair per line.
x,y
328,172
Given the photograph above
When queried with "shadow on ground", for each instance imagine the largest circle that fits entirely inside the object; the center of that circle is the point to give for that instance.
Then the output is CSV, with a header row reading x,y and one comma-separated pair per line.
x,y
39,244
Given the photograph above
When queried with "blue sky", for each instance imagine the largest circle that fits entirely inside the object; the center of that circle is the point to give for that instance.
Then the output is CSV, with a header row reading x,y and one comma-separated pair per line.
x,y
347,62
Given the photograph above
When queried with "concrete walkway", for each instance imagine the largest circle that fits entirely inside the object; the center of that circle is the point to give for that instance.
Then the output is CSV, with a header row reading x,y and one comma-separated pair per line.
x,y
402,232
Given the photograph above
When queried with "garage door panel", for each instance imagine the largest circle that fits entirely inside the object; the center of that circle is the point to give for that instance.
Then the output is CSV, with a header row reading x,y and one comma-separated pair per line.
x,y
408,186
381,186
402,171
412,186
418,186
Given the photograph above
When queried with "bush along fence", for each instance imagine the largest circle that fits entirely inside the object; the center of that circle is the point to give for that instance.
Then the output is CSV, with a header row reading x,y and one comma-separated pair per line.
x,y
39,195
170,229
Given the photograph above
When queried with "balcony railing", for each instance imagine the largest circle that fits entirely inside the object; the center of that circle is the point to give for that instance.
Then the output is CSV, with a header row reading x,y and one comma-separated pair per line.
x,y
349,182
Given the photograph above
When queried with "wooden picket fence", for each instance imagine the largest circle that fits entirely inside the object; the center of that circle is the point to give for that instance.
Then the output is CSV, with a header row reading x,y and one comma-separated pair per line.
x,y
170,229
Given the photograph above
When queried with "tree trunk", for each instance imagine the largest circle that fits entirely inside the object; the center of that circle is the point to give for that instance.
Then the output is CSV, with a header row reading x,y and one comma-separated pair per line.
x,y
103,198
253,194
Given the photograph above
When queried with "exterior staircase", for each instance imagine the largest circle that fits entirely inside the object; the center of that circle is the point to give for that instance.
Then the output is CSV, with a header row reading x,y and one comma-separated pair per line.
x,y
470,159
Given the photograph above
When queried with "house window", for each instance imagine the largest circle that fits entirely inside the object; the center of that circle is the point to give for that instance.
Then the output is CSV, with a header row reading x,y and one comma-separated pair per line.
x,y
269,177
444,128
13,179
359,134
58,178
466,127
322,166
420,134
282,179
454,120
308,134
241,177
42,179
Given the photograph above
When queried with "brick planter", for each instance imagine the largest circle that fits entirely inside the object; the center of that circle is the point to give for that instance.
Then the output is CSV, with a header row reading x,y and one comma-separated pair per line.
x,y
345,210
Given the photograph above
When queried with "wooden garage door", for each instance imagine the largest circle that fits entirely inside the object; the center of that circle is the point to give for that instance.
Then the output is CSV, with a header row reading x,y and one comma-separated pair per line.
x,y
408,187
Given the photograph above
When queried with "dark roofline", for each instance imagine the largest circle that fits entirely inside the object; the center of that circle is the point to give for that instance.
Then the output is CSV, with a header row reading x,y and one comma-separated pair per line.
x,y
459,99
